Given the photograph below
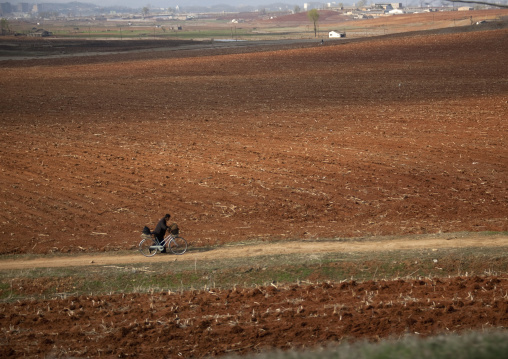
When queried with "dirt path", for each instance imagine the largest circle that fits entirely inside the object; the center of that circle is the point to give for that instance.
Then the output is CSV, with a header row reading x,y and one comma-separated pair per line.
x,y
236,251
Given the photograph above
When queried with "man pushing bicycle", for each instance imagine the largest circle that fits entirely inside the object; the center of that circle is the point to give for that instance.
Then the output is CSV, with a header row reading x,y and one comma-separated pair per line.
x,y
162,227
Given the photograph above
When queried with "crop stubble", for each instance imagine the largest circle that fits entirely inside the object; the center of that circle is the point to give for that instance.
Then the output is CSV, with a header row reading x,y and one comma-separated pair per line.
x,y
216,322
394,136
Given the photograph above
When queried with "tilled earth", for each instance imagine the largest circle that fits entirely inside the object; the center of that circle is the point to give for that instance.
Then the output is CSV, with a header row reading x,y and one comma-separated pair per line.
x,y
217,322
389,136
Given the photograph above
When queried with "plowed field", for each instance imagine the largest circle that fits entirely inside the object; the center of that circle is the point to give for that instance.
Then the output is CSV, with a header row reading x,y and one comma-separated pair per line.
x,y
389,136
393,136
196,324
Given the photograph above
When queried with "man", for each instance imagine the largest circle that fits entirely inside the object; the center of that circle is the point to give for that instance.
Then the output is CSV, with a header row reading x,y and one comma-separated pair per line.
x,y
161,228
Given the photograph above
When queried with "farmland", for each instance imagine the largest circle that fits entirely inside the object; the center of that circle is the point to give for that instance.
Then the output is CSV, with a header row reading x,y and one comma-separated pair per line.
x,y
215,322
398,136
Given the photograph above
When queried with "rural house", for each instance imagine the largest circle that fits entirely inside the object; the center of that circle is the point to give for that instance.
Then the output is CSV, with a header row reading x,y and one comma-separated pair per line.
x,y
334,33
40,33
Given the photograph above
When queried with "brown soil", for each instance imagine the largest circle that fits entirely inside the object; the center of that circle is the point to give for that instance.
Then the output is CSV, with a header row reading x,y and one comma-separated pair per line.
x,y
390,136
196,324
381,137
444,20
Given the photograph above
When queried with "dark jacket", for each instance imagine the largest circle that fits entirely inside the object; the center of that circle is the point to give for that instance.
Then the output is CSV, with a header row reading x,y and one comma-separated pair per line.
x,y
160,229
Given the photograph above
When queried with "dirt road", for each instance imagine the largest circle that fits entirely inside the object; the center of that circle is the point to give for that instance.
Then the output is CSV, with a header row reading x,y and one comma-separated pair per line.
x,y
259,249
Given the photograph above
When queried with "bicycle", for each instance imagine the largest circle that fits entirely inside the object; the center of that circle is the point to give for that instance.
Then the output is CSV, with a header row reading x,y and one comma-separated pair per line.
x,y
149,246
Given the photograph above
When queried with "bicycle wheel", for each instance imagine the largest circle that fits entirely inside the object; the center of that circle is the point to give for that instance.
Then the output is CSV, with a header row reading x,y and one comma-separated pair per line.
x,y
146,247
178,245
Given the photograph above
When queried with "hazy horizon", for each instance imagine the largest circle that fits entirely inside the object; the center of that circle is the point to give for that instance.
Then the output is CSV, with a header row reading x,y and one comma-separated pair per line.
x,y
174,3
162,3
208,3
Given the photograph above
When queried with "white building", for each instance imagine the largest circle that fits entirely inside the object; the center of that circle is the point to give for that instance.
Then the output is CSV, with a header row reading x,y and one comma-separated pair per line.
x,y
334,33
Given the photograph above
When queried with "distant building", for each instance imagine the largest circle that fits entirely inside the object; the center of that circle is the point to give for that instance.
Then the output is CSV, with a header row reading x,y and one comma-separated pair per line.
x,y
24,7
388,6
5,8
335,34
40,33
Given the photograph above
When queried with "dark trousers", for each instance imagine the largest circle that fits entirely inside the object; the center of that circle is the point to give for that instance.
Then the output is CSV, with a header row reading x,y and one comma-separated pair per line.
x,y
159,237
